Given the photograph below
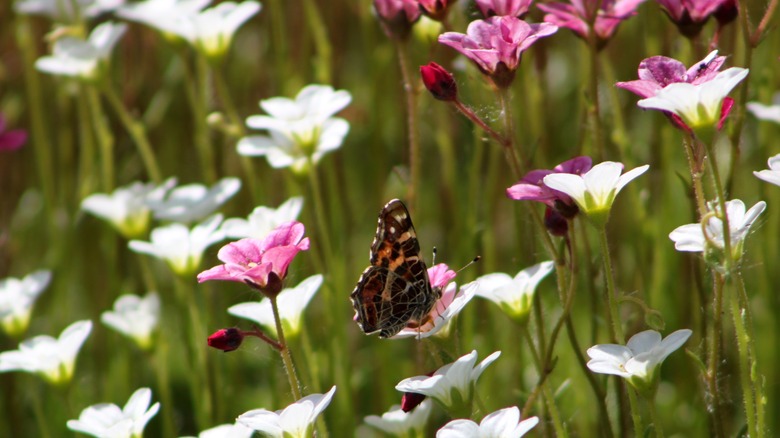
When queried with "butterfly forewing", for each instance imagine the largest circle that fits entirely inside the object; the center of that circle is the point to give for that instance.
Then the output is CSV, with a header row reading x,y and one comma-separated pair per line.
x,y
395,289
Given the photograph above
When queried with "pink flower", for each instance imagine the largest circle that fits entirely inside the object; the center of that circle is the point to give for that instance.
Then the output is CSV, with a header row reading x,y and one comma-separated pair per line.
x,y
261,264
397,16
496,44
657,72
690,15
514,8
532,188
605,15
11,140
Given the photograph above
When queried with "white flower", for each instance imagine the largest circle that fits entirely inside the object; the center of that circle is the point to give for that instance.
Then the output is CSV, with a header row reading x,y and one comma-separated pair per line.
x,y
294,421
639,359
299,130
452,301
17,298
191,202
263,220
135,317
396,422
83,59
691,238
107,420
772,175
697,105
450,383
236,430
125,209
513,295
160,13
62,11
766,112
179,246
52,359
211,30
595,191
504,423
291,303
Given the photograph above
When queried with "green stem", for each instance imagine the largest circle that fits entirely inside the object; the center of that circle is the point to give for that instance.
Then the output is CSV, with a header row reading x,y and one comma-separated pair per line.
x,y
321,41
756,379
659,431
86,152
104,138
160,363
595,107
289,367
137,132
410,91
612,314
555,416
714,357
746,383
636,419
196,85
40,417
694,166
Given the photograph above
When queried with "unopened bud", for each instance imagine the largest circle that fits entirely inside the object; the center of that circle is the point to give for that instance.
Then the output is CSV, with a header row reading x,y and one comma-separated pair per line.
x,y
439,82
227,339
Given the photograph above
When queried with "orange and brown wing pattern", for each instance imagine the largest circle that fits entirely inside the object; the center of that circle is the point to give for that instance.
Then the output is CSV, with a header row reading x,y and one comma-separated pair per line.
x,y
395,289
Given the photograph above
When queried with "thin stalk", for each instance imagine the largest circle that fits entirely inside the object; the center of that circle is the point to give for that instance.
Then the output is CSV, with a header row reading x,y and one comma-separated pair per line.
x,y
321,216
746,384
469,113
105,139
756,380
510,149
193,86
402,47
86,172
612,314
289,367
137,132
321,41
636,419
40,417
714,356
689,144
549,400
160,363
593,85
659,431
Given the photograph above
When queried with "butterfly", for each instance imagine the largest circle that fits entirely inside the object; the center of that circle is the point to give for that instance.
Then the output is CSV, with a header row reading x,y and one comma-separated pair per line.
x,y
394,292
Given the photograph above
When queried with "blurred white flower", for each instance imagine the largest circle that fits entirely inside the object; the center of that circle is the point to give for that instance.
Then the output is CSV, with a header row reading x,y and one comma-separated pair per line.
x,y
107,420
236,430
396,422
595,191
691,237
17,298
639,360
766,112
451,384
513,295
263,220
160,13
294,421
52,359
772,175
291,303
452,301
299,130
191,202
135,317
62,11
698,105
504,423
125,209
179,246
83,59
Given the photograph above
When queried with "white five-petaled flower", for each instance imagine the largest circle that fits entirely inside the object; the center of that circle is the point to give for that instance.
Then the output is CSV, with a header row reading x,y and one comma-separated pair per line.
x,y
126,208
158,13
63,11
235,430
291,303
299,130
294,421
396,422
179,246
639,360
766,112
107,420
451,385
17,298
504,423
83,59
691,237
595,191
135,317
52,359
698,105
771,175
263,220
513,295
452,301
191,202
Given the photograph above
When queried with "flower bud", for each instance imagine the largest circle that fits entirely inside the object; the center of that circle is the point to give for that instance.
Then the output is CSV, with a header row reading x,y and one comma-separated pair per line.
x,y
439,82
227,339
555,222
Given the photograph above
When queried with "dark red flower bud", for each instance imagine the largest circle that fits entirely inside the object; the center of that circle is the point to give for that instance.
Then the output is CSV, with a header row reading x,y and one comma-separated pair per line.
x,y
439,82
410,400
227,339
555,223
435,9
726,12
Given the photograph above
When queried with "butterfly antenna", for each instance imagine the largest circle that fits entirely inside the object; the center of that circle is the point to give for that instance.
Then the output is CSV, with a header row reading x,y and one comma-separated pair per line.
x,y
476,259
433,262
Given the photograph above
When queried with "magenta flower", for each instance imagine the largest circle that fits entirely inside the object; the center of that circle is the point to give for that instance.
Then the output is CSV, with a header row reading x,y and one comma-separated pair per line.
x,y
513,8
397,16
605,16
532,188
439,82
690,15
657,72
11,140
261,264
496,44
